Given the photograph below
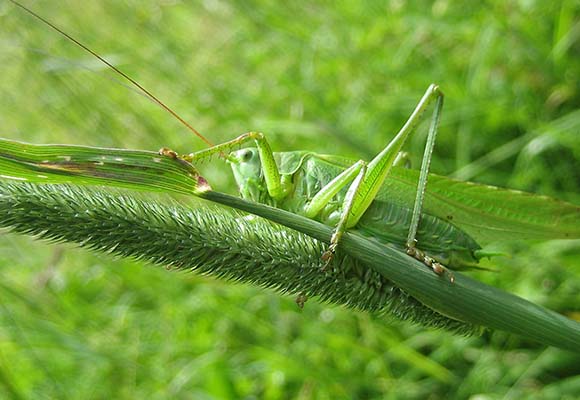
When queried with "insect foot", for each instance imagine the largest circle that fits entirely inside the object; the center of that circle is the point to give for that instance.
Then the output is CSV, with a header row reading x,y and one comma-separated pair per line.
x,y
328,256
436,266
164,151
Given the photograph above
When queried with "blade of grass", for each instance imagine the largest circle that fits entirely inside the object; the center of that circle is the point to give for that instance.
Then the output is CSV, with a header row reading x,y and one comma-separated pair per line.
x,y
208,240
466,300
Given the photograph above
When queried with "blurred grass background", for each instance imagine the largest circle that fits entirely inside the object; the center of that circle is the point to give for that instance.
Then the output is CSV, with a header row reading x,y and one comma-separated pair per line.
x,y
332,77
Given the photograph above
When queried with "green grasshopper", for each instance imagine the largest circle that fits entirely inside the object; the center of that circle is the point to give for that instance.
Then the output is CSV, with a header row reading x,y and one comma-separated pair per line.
x,y
339,193
371,198
335,193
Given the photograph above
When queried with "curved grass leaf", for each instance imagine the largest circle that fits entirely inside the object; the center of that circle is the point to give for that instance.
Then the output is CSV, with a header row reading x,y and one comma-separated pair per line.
x,y
132,169
467,300
210,241
256,251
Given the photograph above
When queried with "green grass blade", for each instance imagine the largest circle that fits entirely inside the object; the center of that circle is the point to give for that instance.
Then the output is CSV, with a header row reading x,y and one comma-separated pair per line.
x,y
258,252
209,241
132,169
466,300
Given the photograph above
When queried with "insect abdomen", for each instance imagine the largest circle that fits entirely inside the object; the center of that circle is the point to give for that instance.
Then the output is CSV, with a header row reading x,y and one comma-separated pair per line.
x,y
389,223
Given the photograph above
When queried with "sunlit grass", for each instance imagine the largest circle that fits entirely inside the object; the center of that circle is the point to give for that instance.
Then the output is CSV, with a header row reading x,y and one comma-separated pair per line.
x,y
341,79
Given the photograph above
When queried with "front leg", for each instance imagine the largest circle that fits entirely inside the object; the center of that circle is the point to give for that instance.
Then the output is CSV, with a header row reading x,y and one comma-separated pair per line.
x,y
278,188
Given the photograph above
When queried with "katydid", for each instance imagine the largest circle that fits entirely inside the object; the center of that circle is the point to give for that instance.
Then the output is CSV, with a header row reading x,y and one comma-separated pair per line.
x,y
303,186
347,195
317,187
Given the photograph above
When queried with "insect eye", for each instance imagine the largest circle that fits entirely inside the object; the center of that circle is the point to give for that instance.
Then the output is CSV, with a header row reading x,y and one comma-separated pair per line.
x,y
247,155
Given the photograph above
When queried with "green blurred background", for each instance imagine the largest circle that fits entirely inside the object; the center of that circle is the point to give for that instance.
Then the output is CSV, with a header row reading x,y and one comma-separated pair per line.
x,y
333,77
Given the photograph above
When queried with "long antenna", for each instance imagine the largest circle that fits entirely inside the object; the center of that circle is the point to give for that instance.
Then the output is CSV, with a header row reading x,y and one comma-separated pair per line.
x,y
117,70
